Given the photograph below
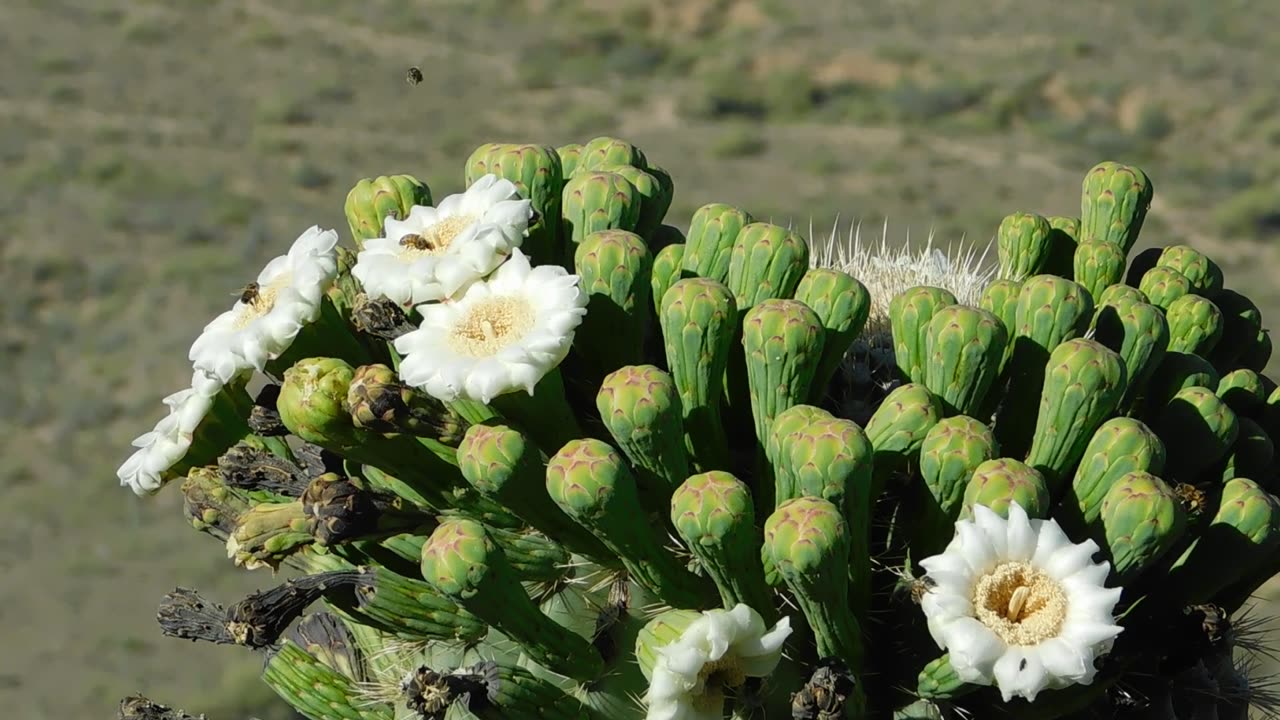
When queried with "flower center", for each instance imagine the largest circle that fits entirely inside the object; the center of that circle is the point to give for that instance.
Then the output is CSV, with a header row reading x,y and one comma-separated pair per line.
x,y
714,678
1021,604
257,300
435,239
491,325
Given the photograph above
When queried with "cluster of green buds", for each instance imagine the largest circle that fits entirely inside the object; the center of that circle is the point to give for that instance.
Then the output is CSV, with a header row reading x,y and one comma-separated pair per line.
x,y
534,452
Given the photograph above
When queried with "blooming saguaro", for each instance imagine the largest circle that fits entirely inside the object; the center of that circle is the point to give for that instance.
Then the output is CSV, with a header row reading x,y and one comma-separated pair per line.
x,y
1018,605
436,251
541,452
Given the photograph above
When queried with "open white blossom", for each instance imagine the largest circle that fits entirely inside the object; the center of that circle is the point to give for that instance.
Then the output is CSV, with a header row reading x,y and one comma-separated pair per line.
x,y
1018,605
435,252
718,650
166,445
504,334
270,312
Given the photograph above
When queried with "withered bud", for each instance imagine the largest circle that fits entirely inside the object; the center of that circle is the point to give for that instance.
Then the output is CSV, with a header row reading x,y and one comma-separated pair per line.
x,y
823,697
264,419
337,509
430,694
137,707
315,460
248,468
324,636
379,317
255,622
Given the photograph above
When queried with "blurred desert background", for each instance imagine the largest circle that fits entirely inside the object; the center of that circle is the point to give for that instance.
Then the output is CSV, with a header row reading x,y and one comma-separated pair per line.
x,y
155,154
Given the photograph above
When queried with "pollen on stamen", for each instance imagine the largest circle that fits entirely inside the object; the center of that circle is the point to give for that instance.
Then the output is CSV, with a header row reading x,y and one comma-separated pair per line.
x,y
491,326
1021,604
437,238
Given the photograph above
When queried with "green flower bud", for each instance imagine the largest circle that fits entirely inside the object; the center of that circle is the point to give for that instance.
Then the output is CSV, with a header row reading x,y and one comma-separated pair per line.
x,y
461,561
1140,333
1114,203
699,318
604,151
1198,429
714,515
614,269
1098,265
767,262
592,484
665,273
808,541
782,340
654,194
1120,446
1251,455
1119,294
504,465
1243,390
640,405
998,483
963,350
1050,311
1141,520
373,200
950,453
1062,245
712,232
1022,243
1241,324
570,157
909,316
1084,383
1163,285
843,305
1200,269
1178,371
1195,325
539,177
595,201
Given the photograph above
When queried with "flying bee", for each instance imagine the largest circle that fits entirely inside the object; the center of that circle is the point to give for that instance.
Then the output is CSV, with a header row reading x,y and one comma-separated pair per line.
x,y
413,75
249,293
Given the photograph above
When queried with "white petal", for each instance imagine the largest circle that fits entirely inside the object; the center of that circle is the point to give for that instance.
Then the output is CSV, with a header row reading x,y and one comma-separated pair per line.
x,y
1049,541
977,550
1069,560
1020,673
994,527
1063,661
973,647
1020,538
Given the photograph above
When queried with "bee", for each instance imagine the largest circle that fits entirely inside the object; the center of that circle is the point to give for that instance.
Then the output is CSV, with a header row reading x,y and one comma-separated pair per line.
x,y
920,587
249,293
413,75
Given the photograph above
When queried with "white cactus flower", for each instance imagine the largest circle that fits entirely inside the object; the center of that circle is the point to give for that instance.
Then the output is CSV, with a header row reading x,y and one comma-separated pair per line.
x,y
268,316
504,334
718,650
435,252
1018,605
166,445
